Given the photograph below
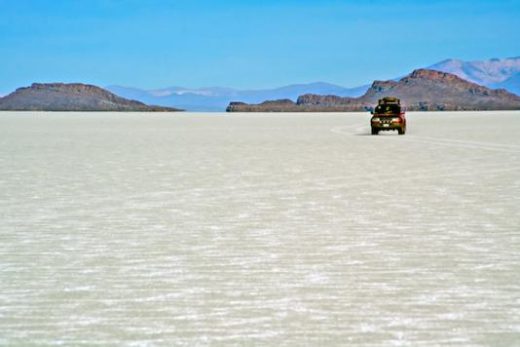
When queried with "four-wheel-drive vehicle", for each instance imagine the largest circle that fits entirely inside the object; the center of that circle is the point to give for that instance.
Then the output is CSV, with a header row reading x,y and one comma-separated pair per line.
x,y
388,115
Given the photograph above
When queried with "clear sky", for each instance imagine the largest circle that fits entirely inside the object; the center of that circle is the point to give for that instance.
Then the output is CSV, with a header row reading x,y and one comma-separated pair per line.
x,y
244,44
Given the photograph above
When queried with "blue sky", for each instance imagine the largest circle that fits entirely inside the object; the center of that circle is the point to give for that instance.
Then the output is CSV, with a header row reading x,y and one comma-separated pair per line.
x,y
244,44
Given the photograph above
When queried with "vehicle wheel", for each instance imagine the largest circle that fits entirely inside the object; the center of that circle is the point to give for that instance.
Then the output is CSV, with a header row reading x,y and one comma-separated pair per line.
x,y
375,131
401,131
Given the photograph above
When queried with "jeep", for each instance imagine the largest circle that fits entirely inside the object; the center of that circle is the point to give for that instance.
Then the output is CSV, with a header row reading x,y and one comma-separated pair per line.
x,y
388,115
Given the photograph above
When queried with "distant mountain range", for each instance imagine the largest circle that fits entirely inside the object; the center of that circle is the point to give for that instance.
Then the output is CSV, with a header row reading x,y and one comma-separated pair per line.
x,y
422,90
217,98
493,73
71,97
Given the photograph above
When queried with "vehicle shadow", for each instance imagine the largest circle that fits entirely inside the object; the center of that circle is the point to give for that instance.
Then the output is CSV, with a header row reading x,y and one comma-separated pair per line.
x,y
387,133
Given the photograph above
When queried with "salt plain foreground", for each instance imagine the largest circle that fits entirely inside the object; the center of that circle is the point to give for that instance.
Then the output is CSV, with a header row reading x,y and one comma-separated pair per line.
x,y
259,229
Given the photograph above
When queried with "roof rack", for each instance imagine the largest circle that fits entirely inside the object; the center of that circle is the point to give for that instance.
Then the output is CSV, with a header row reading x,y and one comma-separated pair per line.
x,y
389,100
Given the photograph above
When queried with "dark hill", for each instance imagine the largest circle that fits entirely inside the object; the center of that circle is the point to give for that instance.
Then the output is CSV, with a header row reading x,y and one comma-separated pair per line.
x,y
422,90
71,97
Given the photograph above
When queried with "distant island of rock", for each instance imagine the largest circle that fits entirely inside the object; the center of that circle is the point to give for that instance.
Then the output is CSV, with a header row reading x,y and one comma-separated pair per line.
x,y
422,90
72,97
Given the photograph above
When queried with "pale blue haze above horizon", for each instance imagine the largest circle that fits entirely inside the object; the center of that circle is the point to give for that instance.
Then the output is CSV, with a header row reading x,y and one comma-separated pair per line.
x,y
244,44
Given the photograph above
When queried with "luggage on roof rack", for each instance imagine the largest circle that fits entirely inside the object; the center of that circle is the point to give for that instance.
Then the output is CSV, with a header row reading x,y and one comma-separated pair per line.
x,y
389,100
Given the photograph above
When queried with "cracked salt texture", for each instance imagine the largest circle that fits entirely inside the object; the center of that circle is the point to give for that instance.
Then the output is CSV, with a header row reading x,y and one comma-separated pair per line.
x,y
243,229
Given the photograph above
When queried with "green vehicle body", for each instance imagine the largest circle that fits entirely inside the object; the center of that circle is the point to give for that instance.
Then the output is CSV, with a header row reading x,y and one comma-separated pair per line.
x,y
388,115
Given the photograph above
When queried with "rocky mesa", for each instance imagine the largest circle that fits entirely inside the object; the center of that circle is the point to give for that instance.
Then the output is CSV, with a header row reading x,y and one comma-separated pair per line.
x,y
422,90
72,97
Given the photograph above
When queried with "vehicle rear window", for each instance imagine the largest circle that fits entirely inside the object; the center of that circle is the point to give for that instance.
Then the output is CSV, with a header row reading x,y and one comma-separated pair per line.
x,y
389,109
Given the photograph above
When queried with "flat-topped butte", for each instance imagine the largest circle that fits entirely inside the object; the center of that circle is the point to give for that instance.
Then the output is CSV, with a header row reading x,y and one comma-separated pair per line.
x,y
72,97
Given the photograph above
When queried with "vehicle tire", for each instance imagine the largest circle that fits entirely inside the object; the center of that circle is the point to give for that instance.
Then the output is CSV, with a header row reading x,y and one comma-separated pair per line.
x,y
375,131
401,131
